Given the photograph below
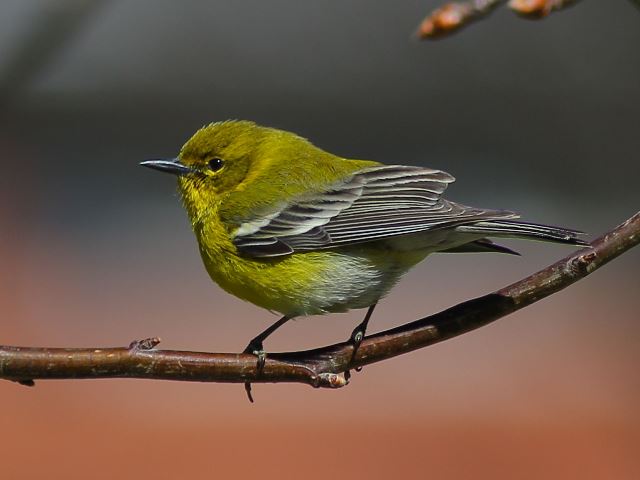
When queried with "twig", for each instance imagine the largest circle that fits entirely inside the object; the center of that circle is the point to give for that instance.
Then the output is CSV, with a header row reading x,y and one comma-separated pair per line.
x,y
323,367
535,9
452,16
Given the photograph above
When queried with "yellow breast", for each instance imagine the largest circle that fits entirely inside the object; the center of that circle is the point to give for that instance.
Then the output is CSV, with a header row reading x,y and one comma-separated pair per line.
x,y
281,284
307,283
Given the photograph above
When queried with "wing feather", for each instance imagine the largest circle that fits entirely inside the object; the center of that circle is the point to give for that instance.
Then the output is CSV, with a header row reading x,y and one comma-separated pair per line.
x,y
372,204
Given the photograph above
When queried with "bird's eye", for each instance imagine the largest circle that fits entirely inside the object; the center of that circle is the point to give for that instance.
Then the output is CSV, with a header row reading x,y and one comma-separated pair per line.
x,y
215,164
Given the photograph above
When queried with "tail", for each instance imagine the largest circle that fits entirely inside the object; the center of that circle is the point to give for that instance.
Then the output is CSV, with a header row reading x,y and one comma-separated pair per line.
x,y
530,231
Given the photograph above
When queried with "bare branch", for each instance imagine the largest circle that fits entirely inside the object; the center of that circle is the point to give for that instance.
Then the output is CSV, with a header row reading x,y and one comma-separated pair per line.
x,y
452,16
323,367
538,8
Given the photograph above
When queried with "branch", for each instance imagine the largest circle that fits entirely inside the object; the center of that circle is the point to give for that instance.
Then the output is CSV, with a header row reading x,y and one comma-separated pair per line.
x,y
323,367
452,16
535,9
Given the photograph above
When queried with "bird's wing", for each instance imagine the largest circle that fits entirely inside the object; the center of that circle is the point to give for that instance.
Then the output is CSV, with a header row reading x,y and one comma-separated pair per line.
x,y
373,204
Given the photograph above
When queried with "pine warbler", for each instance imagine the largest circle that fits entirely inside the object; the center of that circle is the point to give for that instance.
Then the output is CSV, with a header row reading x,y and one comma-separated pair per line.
x,y
297,230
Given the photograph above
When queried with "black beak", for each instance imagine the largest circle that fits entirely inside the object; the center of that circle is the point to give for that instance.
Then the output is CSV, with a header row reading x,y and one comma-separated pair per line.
x,y
169,165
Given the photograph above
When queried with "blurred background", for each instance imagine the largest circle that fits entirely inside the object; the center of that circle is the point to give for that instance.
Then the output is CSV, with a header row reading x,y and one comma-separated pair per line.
x,y
537,117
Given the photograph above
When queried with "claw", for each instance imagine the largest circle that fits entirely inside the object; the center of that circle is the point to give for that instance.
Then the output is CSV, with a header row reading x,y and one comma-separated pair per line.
x,y
262,358
247,388
358,335
255,348
356,339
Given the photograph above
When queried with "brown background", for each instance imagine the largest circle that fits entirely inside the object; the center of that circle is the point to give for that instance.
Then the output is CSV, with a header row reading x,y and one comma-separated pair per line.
x,y
95,251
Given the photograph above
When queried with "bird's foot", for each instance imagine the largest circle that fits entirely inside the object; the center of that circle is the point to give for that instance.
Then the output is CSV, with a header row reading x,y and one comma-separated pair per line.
x,y
356,339
255,348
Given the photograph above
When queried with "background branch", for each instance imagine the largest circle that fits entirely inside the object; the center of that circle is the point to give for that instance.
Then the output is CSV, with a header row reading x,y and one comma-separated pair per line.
x,y
453,16
323,367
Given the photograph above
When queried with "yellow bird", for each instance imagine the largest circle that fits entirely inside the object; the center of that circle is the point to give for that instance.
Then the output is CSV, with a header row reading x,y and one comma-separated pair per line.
x,y
297,230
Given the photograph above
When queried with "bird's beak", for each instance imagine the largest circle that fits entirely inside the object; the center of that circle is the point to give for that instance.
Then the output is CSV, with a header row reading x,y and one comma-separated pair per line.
x,y
169,165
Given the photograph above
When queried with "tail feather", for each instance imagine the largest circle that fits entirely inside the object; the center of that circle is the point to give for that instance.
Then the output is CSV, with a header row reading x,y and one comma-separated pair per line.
x,y
483,245
532,231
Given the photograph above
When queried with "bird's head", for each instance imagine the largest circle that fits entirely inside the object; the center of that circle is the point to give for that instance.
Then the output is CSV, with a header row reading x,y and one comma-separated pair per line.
x,y
216,160
246,167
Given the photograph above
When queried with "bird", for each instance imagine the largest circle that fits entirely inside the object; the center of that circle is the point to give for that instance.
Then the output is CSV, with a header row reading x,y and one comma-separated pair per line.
x,y
300,231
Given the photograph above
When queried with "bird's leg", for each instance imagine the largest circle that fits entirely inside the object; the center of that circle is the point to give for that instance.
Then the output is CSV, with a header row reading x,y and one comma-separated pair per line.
x,y
358,333
255,347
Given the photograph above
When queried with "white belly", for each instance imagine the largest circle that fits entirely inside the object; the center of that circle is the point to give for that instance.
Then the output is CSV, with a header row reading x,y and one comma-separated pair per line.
x,y
354,281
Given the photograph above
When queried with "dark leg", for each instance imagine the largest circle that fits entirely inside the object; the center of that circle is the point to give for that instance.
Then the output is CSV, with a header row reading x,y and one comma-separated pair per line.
x,y
358,333
255,347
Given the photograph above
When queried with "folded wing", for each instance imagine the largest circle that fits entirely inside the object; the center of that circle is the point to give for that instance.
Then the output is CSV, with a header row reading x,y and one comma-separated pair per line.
x,y
373,204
